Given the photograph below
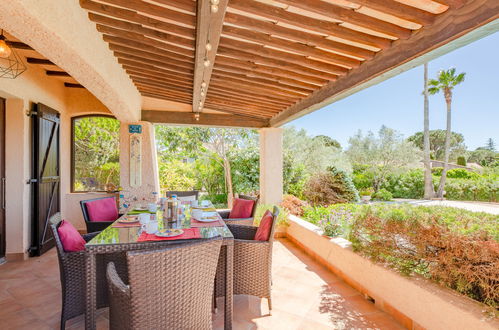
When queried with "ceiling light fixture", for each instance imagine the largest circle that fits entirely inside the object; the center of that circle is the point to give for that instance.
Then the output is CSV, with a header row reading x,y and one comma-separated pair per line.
x,y
11,64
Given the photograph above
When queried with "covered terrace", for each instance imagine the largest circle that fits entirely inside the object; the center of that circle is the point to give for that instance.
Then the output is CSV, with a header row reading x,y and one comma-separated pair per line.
x,y
222,63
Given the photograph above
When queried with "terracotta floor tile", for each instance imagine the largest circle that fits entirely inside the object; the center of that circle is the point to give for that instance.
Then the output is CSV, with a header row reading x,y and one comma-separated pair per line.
x,y
305,295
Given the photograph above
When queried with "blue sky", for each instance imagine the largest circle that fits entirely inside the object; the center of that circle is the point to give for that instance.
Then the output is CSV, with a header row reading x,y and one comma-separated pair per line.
x,y
398,103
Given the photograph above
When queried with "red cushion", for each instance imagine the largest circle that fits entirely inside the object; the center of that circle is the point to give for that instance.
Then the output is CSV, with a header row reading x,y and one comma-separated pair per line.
x,y
263,231
241,209
102,209
70,237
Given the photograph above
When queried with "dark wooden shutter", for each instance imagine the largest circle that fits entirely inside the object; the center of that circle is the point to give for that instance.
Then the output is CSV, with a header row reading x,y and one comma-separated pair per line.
x,y
45,176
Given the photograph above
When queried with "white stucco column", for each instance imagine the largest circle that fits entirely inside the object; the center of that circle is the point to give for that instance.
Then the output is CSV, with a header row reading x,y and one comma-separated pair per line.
x,y
271,165
150,178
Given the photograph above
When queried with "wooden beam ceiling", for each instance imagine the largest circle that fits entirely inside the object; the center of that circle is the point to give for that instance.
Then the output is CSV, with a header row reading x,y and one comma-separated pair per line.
x,y
272,60
208,32
207,119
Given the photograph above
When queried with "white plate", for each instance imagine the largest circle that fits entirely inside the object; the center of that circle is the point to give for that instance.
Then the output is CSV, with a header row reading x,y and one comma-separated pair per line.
x,y
169,232
207,219
209,214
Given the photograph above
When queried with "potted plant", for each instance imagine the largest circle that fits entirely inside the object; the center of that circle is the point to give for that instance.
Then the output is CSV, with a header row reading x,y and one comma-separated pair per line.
x,y
365,194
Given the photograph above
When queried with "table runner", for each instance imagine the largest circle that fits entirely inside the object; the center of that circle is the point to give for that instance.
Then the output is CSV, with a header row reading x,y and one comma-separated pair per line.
x,y
125,225
189,233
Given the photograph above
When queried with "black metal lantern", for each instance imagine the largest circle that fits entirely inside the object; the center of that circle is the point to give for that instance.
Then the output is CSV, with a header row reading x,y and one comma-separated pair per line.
x,y
11,64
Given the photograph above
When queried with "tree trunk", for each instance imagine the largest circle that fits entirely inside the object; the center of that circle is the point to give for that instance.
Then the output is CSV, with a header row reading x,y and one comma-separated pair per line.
x,y
429,192
441,186
228,183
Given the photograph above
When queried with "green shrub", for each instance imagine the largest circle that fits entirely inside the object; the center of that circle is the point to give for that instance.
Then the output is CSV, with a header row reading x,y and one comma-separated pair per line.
x,y
437,171
362,180
461,173
406,185
461,161
366,192
482,189
331,187
383,195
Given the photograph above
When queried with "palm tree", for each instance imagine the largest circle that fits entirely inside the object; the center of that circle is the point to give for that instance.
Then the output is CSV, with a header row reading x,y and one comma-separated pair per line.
x,y
429,192
445,83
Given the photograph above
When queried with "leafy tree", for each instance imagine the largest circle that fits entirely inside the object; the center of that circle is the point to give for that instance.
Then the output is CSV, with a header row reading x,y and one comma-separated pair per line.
x,y
446,81
484,157
490,145
96,153
383,154
331,187
328,141
437,143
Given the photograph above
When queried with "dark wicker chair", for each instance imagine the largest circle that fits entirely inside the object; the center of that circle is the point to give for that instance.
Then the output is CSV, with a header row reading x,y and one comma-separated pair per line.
x,y
170,288
93,226
252,262
179,193
72,274
243,221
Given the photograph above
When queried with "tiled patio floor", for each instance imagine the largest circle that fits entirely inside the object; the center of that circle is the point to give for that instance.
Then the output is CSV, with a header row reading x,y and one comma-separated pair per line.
x,y
305,296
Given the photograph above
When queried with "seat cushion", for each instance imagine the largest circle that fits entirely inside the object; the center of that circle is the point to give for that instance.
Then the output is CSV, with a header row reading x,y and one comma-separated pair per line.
x,y
241,208
263,231
102,209
70,237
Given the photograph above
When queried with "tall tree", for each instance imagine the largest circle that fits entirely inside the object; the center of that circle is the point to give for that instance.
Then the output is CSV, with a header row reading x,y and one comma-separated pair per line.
x,y
490,145
429,192
437,144
386,153
446,81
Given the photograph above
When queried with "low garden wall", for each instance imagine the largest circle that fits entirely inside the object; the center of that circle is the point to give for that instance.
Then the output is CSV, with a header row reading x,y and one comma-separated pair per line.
x,y
414,301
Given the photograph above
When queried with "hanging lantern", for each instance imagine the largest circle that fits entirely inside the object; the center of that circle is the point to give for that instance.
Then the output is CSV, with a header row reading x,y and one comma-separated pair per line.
x,y
11,64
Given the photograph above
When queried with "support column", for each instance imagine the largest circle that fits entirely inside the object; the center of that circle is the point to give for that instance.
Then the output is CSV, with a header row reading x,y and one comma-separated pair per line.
x,y
149,168
271,181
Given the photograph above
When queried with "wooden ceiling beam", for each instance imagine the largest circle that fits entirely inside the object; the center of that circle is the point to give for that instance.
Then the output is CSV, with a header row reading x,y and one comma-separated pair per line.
x,y
155,10
208,31
253,74
450,25
225,94
398,9
255,107
171,58
241,93
162,97
297,35
350,16
294,47
43,61
155,84
134,17
270,94
132,62
262,81
258,87
18,45
159,64
272,62
260,50
112,24
150,47
72,85
187,5
159,73
326,27
265,69
57,73
205,119
454,4
159,77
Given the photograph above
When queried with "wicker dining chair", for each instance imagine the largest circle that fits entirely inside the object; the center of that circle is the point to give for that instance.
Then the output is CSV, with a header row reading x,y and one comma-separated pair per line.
x,y
183,194
93,226
170,288
240,221
72,275
252,262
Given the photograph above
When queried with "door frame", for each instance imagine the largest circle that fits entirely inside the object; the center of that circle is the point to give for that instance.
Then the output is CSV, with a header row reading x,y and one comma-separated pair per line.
x,y
3,222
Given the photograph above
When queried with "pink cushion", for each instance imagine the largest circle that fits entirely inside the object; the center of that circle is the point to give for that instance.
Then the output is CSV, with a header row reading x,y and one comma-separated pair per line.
x,y
263,231
70,237
241,209
102,210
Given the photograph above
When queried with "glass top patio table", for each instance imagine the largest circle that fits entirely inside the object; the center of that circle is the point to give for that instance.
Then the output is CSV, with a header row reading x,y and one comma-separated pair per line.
x,y
127,235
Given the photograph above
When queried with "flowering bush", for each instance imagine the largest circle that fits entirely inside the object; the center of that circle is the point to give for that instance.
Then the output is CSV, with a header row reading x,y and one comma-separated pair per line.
x,y
293,205
337,223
